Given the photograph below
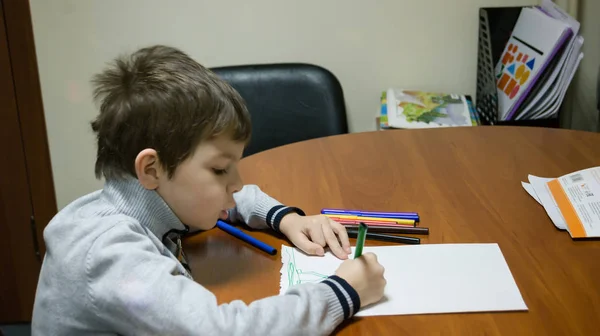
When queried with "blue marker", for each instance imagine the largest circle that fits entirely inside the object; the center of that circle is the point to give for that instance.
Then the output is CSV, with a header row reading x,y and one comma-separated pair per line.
x,y
245,237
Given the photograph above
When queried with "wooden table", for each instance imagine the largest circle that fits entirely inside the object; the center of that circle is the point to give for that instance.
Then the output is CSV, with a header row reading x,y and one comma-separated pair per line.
x,y
465,184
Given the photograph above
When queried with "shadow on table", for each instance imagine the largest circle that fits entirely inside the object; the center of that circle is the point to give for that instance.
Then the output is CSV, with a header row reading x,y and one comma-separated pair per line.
x,y
217,260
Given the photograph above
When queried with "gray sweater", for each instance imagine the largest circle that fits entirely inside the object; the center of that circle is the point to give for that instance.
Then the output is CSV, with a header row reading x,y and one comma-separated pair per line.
x,y
110,268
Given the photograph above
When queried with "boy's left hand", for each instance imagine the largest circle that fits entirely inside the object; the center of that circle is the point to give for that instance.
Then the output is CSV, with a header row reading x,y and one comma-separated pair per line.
x,y
312,233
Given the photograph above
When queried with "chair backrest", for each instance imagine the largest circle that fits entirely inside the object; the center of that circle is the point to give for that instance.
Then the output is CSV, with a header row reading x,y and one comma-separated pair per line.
x,y
288,102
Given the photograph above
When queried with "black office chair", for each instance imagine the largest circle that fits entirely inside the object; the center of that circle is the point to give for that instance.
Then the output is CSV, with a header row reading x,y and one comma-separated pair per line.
x,y
288,102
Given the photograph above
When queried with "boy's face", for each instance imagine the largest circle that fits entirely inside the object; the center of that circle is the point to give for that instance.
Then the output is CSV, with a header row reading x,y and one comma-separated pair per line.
x,y
203,185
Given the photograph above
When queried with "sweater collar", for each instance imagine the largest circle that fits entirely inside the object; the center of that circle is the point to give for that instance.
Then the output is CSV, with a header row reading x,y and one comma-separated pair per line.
x,y
147,206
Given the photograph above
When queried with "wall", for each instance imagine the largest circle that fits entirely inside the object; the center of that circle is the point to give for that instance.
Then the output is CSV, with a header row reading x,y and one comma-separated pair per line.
x,y
368,45
582,93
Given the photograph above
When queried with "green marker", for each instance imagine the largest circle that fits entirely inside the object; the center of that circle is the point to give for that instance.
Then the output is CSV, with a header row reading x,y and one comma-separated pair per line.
x,y
360,240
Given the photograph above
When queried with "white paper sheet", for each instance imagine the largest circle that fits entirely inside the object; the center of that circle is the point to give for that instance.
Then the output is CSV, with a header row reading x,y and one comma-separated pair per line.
x,y
423,279
558,13
556,83
529,188
543,193
553,109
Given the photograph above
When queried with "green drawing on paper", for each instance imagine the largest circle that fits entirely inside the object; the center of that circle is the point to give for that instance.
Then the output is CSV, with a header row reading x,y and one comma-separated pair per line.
x,y
297,276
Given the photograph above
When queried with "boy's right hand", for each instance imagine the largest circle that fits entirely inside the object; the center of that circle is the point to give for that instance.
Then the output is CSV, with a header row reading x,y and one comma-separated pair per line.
x,y
365,275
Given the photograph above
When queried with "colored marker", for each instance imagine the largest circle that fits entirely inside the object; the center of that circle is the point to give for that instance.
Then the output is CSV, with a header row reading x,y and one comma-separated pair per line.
x,y
377,219
392,229
375,213
378,215
386,237
246,237
360,240
370,223
399,215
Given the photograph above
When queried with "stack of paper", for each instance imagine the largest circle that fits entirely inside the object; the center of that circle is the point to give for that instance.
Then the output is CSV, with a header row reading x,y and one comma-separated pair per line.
x,y
538,63
571,201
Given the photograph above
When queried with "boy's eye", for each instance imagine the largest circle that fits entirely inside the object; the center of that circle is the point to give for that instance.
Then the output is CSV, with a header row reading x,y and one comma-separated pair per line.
x,y
220,171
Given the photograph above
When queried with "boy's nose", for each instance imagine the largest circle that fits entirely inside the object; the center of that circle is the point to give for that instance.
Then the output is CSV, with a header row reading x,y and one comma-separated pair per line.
x,y
237,184
230,203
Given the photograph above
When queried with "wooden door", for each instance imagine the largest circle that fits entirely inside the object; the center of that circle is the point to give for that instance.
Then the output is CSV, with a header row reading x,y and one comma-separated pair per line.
x,y
19,263
27,200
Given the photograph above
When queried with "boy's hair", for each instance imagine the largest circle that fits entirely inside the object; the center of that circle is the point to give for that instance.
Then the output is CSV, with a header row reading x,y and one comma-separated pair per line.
x,y
160,98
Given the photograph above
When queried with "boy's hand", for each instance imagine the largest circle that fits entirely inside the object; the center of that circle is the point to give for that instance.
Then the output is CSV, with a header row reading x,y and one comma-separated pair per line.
x,y
365,275
312,233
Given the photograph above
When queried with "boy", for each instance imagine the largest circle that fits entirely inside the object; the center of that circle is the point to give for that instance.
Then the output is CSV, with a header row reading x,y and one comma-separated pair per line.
x,y
169,136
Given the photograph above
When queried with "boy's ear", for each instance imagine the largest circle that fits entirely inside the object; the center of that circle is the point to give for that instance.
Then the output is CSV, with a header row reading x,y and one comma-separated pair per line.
x,y
148,168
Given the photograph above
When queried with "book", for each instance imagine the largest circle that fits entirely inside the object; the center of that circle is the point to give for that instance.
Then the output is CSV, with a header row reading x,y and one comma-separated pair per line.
x,y
383,119
548,93
535,41
421,109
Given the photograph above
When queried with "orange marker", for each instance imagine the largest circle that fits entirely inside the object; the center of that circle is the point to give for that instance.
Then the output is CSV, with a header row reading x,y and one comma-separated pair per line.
x,y
373,219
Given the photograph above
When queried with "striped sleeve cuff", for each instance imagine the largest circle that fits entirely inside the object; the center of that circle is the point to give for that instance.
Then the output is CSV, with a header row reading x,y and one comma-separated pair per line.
x,y
259,210
346,295
276,214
